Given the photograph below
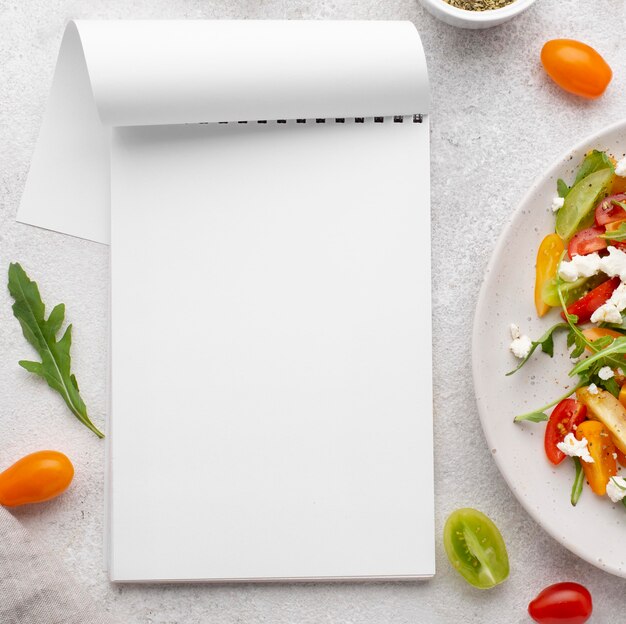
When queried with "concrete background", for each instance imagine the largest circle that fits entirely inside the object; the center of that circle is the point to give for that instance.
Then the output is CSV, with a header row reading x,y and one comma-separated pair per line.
x,y
497,122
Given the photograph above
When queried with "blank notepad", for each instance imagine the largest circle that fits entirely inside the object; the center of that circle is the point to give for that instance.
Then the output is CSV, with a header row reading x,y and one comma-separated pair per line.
x,y
271,392
269,223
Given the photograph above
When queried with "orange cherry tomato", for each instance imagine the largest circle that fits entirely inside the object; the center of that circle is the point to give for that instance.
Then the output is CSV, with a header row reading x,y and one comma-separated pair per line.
x,y
35,478
621,458
576,67
601,449
593,333
548,256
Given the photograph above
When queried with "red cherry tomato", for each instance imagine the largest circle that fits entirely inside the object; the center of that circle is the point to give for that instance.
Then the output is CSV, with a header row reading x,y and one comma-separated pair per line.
x,y
568,414
586,242
576,67
608,212
562,603
589,303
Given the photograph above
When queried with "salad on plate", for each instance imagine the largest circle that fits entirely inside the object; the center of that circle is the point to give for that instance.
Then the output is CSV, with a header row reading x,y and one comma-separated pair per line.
x,y
581,281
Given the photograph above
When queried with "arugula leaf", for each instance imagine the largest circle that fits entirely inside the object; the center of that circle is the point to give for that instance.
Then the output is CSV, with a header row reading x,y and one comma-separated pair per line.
x,y
579,479
620,233
617,347
561,188
55,363
532,417
539,416
594,161
546,342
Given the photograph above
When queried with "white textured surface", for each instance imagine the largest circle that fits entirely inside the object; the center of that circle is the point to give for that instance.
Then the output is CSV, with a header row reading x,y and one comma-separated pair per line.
x,y
497,123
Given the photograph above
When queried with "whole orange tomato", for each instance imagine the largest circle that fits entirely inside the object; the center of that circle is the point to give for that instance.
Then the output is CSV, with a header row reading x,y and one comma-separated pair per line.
x,y
35,478
576,67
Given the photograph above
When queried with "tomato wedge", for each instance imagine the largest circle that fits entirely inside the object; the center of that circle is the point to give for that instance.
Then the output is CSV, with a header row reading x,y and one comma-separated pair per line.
x,y
562,603
548,257
608,212
602,450
568,414
589,303
594,333
475,548
587,241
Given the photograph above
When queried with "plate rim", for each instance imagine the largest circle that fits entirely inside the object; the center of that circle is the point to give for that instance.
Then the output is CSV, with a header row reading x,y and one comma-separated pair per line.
x,y
479,312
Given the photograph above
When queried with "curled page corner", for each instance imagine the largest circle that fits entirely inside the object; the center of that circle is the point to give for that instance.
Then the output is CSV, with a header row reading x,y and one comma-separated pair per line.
x,y
142,73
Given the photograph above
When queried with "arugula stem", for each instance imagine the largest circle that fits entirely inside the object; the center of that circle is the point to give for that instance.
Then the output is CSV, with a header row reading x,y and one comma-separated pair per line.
x,y
577,486
574,327
523,417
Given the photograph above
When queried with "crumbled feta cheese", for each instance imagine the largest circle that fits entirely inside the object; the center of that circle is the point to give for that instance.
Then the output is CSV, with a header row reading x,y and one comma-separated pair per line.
x,y
620,372
620,168
580,266
575,448
616,489
592,389
605,373
614,264
515,332
606,313
557,203
521,347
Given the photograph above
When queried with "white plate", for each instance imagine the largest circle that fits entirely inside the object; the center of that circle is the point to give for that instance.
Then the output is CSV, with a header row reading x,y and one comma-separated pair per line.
x,y
506,296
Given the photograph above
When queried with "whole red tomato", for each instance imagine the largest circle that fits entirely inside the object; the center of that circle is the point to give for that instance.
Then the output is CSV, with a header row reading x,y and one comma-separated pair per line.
x,y
562,603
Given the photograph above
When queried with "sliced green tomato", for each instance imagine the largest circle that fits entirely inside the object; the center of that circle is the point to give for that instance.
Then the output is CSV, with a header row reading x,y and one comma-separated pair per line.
x,y
475,548
578,210
571,291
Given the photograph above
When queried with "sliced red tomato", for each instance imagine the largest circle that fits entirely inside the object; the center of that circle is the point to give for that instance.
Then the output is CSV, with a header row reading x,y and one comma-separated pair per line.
x,y
589,303
607,211
563,603
568,414
586,242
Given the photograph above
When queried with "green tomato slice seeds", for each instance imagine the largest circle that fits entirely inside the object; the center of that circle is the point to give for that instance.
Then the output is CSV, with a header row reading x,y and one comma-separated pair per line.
x,y
475,548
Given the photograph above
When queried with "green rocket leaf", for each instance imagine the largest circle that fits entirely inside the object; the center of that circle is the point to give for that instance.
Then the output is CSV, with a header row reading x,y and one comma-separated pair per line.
x,y
55,363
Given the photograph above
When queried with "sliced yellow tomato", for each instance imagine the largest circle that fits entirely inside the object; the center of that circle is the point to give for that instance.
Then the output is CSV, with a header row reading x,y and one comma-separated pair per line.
x,y
593,333
622,395
603,406
602,450
548,256
618,186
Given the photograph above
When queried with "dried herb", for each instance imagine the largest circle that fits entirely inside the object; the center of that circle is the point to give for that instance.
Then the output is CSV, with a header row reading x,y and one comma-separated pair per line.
x,y
479,5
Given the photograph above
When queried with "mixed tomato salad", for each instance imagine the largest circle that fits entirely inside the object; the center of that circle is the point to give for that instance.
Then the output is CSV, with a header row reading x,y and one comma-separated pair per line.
x,y
581,279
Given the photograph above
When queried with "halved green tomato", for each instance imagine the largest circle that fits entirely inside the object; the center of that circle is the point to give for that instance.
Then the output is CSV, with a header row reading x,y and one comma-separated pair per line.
x,y
475,548
578,210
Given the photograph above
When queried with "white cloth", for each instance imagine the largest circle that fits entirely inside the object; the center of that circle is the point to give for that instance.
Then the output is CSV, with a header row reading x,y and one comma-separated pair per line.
x,y
34,586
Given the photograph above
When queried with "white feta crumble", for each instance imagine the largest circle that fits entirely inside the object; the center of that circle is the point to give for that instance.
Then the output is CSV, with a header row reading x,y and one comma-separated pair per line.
x,y
575,448
620,372
616,489
557,203
605,373
580,266
609,312
620,168
515,332
520,347
592,389
614,264
606,313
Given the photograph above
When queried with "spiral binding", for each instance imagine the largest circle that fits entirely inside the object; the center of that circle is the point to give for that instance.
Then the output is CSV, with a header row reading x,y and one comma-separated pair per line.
x,y
337,120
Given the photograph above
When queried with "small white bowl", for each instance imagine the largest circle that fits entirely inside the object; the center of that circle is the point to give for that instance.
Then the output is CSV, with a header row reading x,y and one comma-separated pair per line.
x,y
474,19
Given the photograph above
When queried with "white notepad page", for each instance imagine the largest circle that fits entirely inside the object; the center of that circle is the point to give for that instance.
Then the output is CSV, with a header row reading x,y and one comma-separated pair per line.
x,y
271,396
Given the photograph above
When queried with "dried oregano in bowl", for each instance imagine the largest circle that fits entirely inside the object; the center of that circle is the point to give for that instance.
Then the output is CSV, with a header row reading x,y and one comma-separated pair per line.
x,y
479,5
